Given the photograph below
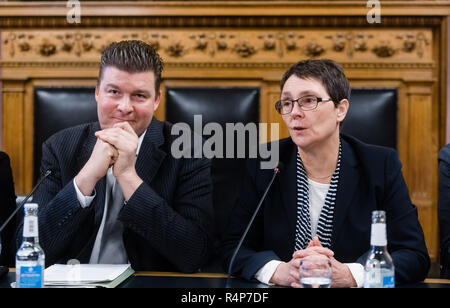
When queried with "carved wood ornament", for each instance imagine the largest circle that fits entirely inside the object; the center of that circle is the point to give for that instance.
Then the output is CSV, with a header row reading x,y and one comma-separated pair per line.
x,y
182,44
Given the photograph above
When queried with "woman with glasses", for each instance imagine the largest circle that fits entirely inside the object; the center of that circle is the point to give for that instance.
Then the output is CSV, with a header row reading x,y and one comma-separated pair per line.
x,y
321,203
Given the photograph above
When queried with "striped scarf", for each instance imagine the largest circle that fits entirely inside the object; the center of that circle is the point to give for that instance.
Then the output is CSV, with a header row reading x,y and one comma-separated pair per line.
x,y
325,224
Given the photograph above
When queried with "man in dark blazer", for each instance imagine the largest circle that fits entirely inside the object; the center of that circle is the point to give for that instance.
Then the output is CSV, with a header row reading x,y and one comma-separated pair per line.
x,y
116,194
444,209
7,207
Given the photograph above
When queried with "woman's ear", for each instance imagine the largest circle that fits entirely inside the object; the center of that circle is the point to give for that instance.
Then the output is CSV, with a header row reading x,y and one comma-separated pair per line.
x,y
342,109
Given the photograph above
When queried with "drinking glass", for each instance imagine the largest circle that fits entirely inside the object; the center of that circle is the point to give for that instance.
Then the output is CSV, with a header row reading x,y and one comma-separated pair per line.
x,y
315,272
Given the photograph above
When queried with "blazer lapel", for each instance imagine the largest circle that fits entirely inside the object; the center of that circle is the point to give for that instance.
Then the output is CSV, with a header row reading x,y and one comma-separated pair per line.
x,y
88,145
150,154
347,187
288,187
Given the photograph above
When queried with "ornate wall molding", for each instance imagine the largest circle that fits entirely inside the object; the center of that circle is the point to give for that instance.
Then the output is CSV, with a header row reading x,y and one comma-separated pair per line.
x,y
231,8
224,45
228,65
215,21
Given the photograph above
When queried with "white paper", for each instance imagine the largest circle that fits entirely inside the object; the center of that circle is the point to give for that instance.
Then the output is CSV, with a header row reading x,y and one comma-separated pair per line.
x,y
83,273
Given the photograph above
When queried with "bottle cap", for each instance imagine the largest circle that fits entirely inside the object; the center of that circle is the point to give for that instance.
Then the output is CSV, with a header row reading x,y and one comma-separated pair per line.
x,y
31,206
378,216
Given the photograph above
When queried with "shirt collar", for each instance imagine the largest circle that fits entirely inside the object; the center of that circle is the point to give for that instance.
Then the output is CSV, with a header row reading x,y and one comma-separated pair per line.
x,y
141,138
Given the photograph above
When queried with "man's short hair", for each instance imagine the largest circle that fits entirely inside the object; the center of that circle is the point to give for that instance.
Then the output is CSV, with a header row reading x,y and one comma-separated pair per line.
x,y
328,72
132,56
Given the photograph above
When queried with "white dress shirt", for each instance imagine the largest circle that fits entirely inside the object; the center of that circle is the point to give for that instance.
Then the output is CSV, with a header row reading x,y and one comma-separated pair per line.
x,y
317,194
85,201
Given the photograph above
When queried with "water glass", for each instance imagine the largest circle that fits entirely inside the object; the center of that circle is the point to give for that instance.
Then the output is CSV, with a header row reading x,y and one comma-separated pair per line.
x,y
315,272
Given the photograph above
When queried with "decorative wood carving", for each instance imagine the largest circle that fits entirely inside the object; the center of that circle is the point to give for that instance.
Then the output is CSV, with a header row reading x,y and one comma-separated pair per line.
x,y
291,21
247,45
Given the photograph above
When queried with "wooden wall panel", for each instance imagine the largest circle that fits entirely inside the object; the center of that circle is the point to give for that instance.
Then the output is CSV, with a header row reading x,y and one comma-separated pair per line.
x,y
13,132
210,43
422,162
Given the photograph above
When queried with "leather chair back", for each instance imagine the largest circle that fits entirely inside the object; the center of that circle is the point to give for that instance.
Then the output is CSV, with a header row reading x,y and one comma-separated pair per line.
x,y
219,105
57,108
372,116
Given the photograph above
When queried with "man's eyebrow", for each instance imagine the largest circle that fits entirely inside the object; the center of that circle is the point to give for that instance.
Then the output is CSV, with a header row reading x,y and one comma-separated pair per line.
x,y
143,91
111,85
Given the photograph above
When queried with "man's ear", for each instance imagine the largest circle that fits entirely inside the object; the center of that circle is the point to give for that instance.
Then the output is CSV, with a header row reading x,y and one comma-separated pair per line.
x,y
96,92
157,101
342,109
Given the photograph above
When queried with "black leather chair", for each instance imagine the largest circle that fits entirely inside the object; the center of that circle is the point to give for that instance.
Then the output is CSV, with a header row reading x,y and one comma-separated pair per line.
x,y
372,118
219,105
7,207
56,108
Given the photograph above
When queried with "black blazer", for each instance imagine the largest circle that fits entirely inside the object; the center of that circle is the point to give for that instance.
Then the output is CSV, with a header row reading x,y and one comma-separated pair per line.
x,y
444,209
7,207
166,221
370,179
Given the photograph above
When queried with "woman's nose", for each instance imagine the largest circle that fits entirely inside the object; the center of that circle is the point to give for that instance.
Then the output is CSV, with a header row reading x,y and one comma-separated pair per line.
x,y
297,111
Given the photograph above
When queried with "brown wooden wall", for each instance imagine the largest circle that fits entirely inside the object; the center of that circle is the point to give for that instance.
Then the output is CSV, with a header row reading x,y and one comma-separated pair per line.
x,y
210,43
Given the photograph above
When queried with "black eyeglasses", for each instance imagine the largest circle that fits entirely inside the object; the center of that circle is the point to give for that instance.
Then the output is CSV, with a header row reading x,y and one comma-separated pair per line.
x,y
308,102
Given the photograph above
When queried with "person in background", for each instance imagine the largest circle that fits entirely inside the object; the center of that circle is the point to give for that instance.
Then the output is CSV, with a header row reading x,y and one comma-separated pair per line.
x,y
444,210
321,203
116,194
8,205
